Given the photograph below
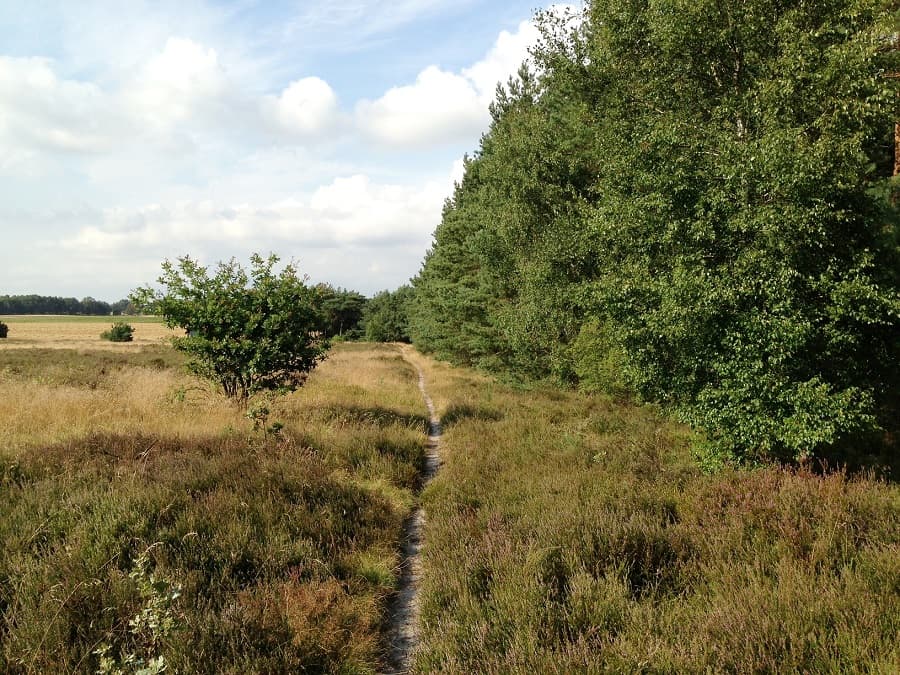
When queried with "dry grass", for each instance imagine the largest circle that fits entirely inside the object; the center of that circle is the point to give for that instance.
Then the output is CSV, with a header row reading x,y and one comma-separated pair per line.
x,y
79,333
567,533
122,478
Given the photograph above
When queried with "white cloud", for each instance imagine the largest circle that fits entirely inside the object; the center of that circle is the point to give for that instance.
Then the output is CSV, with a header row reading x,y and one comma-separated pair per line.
x,y
457,173
40,111
351,210
306,107
175,83
502,61
441,106
351,231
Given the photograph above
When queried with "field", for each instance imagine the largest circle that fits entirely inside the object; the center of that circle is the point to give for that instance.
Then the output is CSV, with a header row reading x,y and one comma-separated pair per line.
x,y
145,521
574,534
80,332
143,517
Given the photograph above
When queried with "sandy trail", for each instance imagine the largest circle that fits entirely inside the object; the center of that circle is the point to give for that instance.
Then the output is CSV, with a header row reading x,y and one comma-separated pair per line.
x,y
404,625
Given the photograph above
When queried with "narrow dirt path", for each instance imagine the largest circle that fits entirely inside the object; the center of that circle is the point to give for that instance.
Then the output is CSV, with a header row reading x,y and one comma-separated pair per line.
x,y
404,623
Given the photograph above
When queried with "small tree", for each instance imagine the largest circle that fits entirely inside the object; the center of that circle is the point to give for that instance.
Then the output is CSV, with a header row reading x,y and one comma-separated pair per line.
x,y
386,316
247,332
118,332
4,330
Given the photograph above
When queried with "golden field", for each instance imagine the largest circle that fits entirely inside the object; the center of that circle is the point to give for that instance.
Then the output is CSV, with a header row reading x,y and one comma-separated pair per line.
x,y
65,332
143,516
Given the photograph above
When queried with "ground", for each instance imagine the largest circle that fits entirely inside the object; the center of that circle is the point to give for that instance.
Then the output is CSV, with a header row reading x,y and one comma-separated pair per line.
x,y
143,516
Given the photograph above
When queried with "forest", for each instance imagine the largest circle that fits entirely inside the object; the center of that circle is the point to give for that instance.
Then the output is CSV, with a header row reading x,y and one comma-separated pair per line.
x,y
44,304
692,205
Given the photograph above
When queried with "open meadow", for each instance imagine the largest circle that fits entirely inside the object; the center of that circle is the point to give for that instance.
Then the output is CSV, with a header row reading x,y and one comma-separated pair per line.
x,y
80,332
143,517
145,520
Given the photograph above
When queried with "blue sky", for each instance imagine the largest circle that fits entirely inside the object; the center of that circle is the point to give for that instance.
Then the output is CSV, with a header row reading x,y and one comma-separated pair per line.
x,y
329,133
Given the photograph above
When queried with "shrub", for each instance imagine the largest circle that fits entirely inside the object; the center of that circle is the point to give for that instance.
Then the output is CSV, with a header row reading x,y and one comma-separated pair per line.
x,y
246,331
118,332
4,330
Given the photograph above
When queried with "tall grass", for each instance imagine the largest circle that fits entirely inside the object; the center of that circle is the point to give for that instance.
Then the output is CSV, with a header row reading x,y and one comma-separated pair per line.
x,y
566,533
144,522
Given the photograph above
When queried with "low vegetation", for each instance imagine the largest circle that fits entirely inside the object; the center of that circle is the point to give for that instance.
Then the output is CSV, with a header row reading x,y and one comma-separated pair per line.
x,y
569,533
118,332
144,524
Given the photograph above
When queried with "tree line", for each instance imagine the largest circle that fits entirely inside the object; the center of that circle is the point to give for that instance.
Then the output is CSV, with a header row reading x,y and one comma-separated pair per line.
x,y
46,304
344,313
691,204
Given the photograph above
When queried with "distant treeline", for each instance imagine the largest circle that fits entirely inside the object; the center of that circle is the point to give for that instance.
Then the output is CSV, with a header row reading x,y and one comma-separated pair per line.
x,y
346,314
692,204
44,304
351,316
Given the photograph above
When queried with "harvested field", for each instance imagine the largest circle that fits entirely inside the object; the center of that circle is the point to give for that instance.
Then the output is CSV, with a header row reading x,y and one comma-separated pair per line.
x,y
80,332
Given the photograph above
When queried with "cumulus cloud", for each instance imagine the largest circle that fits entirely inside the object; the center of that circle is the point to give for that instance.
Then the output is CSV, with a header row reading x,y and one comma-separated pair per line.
x,y
184,77
306,107
351,210
41,111
502,61
439,106
442,106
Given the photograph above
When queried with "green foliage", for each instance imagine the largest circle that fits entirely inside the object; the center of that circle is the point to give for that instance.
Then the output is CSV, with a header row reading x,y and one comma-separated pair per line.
x,y
118,332
4,330
343,312
148,628
248,332
709,183
386,317
597,361
748,270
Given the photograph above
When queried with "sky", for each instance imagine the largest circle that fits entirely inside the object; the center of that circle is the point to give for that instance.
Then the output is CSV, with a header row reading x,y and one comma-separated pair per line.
x,y
328,133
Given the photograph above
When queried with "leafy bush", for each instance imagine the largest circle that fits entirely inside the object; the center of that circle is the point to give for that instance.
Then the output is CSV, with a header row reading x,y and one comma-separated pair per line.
x,y
597,362
246,332
119,332
4,330
386,317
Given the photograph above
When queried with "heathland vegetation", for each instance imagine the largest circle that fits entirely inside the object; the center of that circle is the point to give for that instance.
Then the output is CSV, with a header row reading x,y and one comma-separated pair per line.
x,y
567,533
674,259
147,523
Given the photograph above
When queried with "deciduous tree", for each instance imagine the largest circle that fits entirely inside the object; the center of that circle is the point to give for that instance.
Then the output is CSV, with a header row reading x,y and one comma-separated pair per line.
x,y
247,331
